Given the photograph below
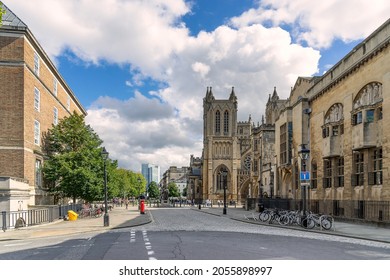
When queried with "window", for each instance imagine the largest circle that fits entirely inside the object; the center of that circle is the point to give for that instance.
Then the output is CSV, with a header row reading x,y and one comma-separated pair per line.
x,y
37,99
357,118
370,115
36,64
335,130
379,113
55,116
339,179
226,122
37,132
325,132
68,102
327,173
55,86
358,169
376,176
283,144
217,122
38,173
221,180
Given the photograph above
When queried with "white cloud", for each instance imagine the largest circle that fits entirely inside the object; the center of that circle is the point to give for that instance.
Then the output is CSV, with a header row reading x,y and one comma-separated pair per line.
x,y
320,22
150,38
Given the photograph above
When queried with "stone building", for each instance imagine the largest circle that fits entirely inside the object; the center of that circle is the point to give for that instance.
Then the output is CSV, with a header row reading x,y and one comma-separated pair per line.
x,y
339,116
179,176
33,97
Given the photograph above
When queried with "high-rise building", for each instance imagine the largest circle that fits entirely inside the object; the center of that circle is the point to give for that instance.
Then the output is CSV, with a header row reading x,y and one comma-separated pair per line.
x,y
151,172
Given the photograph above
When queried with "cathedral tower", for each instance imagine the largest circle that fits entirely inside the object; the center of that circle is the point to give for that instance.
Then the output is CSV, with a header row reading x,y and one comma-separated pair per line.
x,y
221,151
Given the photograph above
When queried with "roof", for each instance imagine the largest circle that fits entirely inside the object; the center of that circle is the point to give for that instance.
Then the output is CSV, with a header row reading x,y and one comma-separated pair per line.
x,y
11,20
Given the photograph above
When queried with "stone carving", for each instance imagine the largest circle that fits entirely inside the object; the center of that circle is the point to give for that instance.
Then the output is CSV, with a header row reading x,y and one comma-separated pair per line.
x,y
335,113
369,95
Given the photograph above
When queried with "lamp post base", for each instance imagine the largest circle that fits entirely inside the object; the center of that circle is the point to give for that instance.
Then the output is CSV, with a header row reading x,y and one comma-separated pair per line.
x,y
106,220
224,210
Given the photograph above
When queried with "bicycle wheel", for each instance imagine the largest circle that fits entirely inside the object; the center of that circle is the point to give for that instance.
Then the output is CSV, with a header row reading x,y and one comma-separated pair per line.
x,y
326,222
284,220
308,223
264,216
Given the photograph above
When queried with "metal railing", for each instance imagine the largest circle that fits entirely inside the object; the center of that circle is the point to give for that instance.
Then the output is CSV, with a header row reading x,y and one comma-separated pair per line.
x,y
35,216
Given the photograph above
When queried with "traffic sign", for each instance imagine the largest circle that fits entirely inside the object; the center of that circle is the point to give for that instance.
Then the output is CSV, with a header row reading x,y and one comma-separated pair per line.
x,y
305,175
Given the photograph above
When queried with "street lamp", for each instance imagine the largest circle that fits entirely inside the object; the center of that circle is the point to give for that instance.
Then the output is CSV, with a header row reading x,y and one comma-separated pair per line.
x,y
223,182
104,154
139,192
305,176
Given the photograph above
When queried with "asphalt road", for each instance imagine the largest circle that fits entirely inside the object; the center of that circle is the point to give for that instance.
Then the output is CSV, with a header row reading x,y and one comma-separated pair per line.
x,y
184,234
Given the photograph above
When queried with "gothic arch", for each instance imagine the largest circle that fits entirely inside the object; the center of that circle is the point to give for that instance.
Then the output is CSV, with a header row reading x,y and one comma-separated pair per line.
x,y
370,94
218,179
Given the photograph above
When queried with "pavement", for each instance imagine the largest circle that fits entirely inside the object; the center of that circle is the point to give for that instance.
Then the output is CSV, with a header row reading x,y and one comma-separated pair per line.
x,y
120,217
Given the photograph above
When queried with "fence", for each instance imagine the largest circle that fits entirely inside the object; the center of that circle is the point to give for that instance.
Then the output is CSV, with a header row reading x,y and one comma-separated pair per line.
x,y
361,210
35,216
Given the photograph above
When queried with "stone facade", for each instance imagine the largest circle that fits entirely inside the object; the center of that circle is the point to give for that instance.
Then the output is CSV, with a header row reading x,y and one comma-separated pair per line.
x,y
33,97
341,117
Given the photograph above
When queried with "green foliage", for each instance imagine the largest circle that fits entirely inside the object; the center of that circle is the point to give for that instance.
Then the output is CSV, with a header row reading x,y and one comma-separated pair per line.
x,y
173,191
153,190
2,12
74,166
124,183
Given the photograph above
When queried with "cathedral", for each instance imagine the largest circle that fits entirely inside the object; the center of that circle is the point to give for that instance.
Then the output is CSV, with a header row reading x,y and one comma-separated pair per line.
x,y
340,120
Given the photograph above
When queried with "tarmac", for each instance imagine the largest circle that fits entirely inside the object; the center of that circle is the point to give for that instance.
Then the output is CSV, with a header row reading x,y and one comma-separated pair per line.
x,y
120,217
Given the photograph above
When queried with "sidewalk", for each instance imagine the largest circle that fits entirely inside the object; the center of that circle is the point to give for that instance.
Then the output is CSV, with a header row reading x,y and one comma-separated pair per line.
x,y
355,230
120,217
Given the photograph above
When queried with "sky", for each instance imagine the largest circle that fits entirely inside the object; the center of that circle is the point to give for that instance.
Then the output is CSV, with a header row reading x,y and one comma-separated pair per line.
x,y
141,67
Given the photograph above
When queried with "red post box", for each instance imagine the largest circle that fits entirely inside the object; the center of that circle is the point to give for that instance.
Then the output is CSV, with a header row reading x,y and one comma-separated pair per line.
x,y
142,208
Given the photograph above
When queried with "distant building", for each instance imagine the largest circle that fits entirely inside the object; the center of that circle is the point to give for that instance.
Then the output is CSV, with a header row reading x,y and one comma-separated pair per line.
x,y
177,175
34,96
151,172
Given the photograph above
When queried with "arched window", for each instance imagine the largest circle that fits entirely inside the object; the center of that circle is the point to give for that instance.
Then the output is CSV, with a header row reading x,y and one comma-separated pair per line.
x,y
226,122
217,122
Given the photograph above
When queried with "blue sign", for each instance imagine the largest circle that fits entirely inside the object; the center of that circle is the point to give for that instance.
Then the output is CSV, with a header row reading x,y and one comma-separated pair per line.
x,y
305,175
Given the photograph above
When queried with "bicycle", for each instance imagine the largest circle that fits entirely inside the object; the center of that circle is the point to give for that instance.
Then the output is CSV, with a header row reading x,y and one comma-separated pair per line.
x,y
323,221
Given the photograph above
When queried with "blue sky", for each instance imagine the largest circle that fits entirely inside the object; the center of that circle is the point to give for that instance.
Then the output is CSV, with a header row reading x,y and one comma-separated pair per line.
x,y
141,68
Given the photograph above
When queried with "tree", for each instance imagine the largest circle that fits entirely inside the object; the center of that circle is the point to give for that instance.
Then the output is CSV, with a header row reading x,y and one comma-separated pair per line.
x,y
173,191
74,166
154,192
2,12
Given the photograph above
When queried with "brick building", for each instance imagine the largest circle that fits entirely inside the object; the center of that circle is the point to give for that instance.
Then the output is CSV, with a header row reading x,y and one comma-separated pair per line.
x,y
33,97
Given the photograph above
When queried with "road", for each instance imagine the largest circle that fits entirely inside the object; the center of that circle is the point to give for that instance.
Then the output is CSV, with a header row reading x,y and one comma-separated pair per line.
x,y
185,234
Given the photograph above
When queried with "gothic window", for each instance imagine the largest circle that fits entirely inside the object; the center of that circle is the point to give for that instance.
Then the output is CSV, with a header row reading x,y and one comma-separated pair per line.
x,y
334,121
226,122
283,144
221,179
247,163
217,122
367,106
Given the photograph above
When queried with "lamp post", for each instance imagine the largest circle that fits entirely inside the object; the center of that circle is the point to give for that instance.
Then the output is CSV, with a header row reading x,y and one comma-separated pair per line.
x,y
104,154
139,192
223,182
305,176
